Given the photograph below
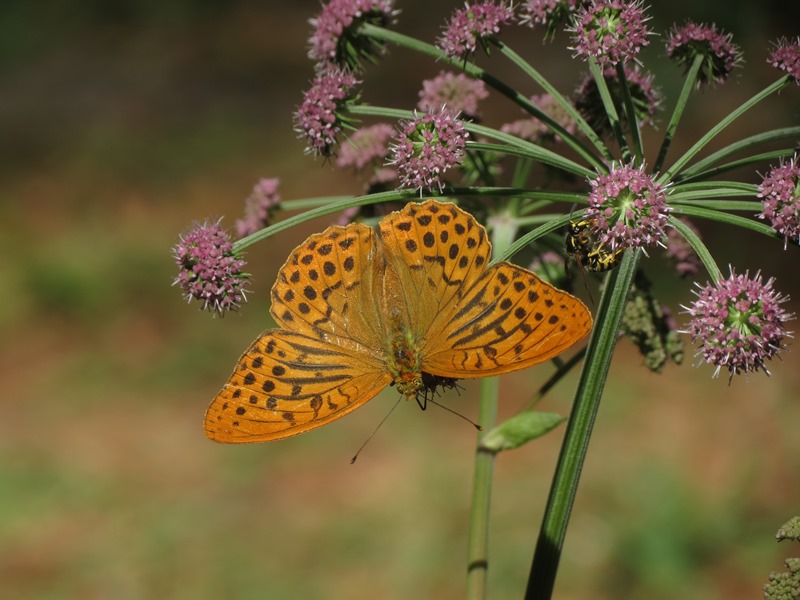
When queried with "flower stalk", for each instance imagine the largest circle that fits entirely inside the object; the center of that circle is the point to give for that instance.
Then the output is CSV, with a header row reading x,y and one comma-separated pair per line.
x,y
563,490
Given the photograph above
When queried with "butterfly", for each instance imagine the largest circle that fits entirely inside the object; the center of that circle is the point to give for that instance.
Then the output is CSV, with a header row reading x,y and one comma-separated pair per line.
x,y
413,305
587,251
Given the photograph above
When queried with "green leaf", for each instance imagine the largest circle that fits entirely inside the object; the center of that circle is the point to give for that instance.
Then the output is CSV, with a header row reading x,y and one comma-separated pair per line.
x,y
520,429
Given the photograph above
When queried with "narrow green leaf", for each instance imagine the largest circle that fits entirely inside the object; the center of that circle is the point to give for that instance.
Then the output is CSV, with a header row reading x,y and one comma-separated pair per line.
x,y
519,430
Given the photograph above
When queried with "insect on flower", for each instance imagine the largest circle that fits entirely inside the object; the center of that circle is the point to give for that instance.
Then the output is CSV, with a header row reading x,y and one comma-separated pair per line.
x,y
591,254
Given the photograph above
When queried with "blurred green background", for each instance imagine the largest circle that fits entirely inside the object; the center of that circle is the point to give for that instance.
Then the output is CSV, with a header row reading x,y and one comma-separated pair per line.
x,y
122,123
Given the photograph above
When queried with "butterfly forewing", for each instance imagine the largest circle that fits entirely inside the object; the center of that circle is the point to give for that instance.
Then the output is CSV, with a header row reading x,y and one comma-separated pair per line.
x,y
327,288
287,383
437,251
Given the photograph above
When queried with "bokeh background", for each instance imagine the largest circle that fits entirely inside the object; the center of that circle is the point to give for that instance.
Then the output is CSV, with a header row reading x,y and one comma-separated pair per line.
x,y
122,123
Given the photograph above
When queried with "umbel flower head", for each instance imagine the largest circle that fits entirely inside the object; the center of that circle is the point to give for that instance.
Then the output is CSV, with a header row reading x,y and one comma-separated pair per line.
x,y
646,98
210,271
320,116
720,55
627,208
612,32
739,323
365,147
780,197
427,146
534,130
473,25
786,57
263,198
553,14
457,93
365,151
336,42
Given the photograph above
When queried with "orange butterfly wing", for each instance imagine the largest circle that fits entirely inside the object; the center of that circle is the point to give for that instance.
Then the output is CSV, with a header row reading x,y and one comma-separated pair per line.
x,y
326,360
509,320
343,297
435,251
479,320
327,289
287,383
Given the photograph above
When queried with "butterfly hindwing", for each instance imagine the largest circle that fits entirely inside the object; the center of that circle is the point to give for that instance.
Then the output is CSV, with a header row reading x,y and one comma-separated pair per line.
x,y
287,383
510,319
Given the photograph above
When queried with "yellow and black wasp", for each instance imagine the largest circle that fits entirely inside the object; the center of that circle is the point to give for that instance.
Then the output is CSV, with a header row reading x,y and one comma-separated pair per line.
x,y
581,244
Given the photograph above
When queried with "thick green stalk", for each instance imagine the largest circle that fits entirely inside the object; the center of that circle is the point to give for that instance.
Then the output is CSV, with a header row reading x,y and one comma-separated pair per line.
x,y
478,543
579,430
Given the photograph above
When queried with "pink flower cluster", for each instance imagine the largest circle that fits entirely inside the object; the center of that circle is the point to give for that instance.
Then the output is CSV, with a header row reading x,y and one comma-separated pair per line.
x,y
471,26
427,147
628,208
457,93
786,57
612,32
780,197
263,198
318,118
720,54
550,13
209,270
335,41
739,323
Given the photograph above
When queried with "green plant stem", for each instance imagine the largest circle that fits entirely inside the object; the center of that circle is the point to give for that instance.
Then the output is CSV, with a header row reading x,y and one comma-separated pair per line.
x,y
721,205
521,148
633,122
335,205
756,159
727,218
698,246
677,113
304,203
713,187
670,173
579,430
512,94
332,204
515,146
784,133
531,236
611,110
565,104
478,543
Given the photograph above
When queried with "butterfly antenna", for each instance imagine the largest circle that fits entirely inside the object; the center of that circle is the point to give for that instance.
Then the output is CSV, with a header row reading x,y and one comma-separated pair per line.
x,y
456,413
383,420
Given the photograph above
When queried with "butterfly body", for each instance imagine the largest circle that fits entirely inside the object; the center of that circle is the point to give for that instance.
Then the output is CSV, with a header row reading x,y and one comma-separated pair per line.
x,y
414,305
